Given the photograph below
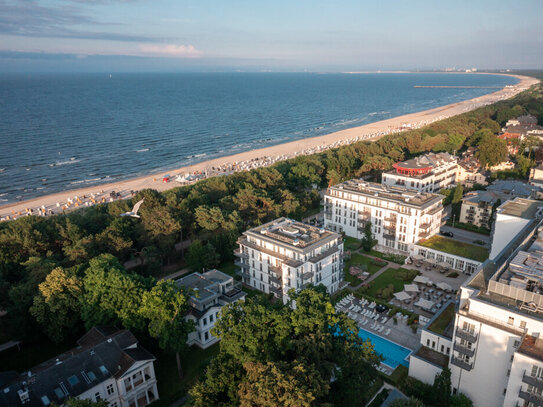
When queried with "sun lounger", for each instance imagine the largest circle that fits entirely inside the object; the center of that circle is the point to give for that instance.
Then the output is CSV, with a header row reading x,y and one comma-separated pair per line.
x,y
387,332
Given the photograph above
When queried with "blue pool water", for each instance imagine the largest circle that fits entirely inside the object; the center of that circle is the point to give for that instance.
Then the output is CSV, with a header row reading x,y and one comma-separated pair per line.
x,y
393,353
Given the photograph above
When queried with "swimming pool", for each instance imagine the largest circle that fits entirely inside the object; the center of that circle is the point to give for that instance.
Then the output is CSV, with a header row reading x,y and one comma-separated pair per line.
x,y
393,353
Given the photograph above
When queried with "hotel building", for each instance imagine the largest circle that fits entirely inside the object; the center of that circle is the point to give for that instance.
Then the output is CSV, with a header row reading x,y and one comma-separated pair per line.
x,y
399,216
106,365
427,173
286,254
210,292
497,353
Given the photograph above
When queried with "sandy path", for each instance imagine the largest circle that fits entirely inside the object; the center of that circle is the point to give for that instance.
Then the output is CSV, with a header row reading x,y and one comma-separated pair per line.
x,y
265,156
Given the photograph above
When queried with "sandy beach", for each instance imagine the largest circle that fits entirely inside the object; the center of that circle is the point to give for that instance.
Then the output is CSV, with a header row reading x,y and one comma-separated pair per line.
x,y
68,200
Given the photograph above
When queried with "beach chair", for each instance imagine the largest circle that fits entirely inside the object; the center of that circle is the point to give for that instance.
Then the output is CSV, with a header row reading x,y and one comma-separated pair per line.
x,y
384,320
387,332
381,328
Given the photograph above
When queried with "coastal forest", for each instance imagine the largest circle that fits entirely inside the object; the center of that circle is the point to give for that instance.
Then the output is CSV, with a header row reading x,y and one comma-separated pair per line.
x,y
62,274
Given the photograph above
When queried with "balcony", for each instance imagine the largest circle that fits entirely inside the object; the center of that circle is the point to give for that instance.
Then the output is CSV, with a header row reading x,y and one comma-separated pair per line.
x,y
534,381
389,236
308,275
425,225
531,398
464,350
275,280
496,323
466,335
391,229
391,219
241,264
461,364
424,235
283,258
278,291
434,211
364,215
361,226
240,254
276,269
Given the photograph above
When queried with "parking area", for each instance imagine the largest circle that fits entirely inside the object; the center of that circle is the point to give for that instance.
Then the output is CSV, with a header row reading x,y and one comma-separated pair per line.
x,y
467,236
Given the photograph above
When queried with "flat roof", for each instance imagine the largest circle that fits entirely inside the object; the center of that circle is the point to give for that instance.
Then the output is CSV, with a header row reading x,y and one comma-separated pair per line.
x,y
532,346
455,247
432,356
443,324
520,207
292,233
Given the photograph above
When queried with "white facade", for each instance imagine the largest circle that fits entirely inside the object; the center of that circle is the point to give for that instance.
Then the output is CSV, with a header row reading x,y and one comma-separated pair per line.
x,y
137,387
428,173
462,264
212,290
285,254
399,217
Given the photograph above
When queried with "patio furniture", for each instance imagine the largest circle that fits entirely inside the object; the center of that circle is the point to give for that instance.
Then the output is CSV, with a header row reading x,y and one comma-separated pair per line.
x,y
402,296
411,288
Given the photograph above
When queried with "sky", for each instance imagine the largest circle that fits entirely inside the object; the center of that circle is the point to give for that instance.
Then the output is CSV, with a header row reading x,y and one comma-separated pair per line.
x,y
279,35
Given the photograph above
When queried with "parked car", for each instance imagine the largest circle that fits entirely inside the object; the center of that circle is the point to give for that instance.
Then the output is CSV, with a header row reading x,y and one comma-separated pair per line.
x,y
448,234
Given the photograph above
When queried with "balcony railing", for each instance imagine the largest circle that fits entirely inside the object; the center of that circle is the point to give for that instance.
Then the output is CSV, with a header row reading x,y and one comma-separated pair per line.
x,y
389,236
424,234
463,350
425,225
276,290
534,381
307,276
461,364
466,335
531,398
390,228
497,323
364,215
241,264
240,254
391,219
275,280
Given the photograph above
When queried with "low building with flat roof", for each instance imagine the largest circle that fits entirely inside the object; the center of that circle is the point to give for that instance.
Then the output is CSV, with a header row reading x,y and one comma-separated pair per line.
x,y
286,254
210,291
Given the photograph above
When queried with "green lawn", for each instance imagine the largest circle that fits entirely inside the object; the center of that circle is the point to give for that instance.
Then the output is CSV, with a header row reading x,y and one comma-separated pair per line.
x,y
357,259
442,322
350,243
388,277
170,387
395,258
467,250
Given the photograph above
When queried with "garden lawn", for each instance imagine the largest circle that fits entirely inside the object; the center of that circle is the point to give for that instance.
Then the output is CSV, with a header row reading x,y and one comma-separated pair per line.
x,y
455,247
350,243
388,277
358,259
170,387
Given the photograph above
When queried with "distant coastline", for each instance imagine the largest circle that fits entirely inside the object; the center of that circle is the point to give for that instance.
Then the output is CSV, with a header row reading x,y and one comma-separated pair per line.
x,y
268,155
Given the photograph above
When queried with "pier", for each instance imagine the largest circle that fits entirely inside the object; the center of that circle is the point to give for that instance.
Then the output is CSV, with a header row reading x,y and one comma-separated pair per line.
x,y
458,87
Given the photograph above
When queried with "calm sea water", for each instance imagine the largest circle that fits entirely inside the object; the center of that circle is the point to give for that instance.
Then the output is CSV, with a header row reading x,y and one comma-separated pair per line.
x,y
60,132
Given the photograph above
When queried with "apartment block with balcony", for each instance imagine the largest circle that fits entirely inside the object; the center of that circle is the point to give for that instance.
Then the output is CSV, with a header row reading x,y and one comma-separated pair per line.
x,y
108,364
399,216
427,173
210,291
477,207
286,254
497,357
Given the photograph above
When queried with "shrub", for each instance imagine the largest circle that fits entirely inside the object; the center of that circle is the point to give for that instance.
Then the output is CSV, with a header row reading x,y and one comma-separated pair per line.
x,y
453,274
378,262
406,274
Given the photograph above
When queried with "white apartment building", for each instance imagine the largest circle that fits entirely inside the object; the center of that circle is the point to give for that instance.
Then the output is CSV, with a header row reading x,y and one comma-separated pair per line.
x,y
106,365
286,254
210,291
399,217
427,173
497,356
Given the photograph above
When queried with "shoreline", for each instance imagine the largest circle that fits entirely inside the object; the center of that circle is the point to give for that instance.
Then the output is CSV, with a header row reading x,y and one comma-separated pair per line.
x,y
262,157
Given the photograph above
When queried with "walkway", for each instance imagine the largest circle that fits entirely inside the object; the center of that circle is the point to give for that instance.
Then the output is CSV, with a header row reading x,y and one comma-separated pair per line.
x,y
388,265
178,273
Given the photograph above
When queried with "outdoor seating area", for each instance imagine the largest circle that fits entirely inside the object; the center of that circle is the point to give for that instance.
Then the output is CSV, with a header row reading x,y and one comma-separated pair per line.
x,y
423,295
428,264
358,272
365,313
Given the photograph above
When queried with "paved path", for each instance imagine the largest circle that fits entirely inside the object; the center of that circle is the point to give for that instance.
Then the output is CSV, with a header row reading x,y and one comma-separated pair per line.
x,y
466,235
175,275
374,275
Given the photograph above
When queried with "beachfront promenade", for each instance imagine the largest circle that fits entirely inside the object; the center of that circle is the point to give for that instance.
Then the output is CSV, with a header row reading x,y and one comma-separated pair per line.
x,y
69,200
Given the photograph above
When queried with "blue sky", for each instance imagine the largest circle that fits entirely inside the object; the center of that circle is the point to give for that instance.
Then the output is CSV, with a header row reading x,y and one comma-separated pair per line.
x,y
295,35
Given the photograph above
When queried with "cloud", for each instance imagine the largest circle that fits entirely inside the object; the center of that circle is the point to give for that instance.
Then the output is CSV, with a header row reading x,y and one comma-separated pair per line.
x,y
29,19
171,50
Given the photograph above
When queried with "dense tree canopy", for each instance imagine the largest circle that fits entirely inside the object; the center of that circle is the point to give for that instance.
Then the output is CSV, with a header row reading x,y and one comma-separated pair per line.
x,y
491,151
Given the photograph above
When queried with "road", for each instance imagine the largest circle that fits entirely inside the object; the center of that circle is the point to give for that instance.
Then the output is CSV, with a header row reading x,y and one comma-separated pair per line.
x,y
466,236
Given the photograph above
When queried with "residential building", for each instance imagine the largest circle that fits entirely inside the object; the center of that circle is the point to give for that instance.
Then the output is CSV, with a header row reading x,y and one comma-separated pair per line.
x,y
108,364
526,120
432,356
286,254
477,208
514,188
210,291
497,356
427,173
398,216
469,172
511,217
536,176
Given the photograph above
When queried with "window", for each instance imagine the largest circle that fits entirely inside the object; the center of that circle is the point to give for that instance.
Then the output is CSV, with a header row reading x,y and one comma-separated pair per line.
x,y
110,389
211,318
97,396
91,375
103,369
59,393
206,336
523,324
73,380
516,343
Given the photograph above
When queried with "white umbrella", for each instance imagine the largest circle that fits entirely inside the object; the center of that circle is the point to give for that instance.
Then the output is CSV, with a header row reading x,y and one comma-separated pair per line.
x,y
424,304
417,257
411,288
430,261
444,286
421,279
402,296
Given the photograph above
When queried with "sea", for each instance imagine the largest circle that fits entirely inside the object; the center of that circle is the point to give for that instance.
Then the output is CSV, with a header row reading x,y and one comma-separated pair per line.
x,y
66,131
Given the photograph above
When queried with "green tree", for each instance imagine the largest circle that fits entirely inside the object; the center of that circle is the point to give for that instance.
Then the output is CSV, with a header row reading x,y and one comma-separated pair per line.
x,y
441,388
56,307
491,151
202,257
368,241
411,402
165,307
110,294
458,194
460,400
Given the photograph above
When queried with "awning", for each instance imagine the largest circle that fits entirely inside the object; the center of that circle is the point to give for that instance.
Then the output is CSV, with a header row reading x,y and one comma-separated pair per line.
x,y
424,304
417,257
421,279
402,296
411,288
430,261
444,286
